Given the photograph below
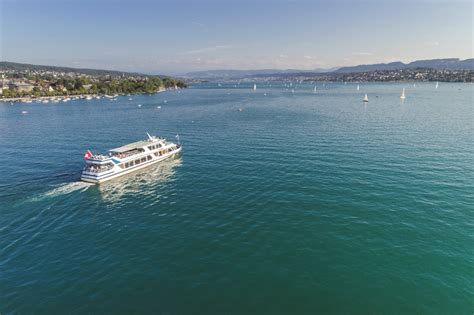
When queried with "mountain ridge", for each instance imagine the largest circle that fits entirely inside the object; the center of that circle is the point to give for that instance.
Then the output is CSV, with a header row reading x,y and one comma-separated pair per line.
x,y
437,64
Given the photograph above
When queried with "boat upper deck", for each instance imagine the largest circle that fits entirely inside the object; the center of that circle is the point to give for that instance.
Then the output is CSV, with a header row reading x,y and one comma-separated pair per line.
x,y
135,145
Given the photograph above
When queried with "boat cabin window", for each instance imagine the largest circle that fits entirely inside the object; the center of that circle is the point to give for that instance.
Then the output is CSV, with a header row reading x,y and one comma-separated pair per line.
x,y
148,157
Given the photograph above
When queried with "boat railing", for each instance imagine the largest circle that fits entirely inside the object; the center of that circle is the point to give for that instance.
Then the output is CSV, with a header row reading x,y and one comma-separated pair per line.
x,y
99,157
98,168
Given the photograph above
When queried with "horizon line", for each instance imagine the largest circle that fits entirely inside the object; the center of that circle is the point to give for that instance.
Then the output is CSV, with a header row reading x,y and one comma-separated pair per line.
x,y
329,69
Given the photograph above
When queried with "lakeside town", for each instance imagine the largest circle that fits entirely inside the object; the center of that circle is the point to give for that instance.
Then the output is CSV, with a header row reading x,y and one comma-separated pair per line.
x,y
401,75
57,84
407,75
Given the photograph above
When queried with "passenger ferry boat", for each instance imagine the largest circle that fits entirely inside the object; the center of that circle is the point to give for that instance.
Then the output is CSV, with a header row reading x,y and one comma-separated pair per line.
x,y
128,158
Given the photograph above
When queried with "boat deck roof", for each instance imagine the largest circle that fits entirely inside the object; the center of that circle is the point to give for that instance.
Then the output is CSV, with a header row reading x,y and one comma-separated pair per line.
x,y
132,146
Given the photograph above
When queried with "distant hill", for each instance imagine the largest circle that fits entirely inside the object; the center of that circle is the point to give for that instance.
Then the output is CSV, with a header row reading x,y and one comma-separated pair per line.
x,y
437,64
14,66
237,74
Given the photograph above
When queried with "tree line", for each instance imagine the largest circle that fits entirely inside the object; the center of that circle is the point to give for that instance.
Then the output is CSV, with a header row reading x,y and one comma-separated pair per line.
x,y
49,85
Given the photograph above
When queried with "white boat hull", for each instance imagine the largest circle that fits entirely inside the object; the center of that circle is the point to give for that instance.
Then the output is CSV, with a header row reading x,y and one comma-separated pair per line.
x,y
108,175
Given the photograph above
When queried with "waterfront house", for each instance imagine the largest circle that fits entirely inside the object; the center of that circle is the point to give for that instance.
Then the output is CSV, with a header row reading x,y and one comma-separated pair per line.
x,y
21,86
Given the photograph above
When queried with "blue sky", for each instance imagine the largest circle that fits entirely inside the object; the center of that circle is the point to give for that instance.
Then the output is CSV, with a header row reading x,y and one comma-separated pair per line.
x,y
179,36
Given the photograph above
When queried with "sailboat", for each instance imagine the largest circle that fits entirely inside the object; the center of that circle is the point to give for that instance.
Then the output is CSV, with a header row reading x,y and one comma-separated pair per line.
x,y
366,99
314,91
254,87
403,94
437,83
358,87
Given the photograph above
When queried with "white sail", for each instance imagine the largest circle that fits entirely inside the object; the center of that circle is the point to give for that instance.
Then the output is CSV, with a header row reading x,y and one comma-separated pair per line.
x,y
254,87
366,98
437,83
314,89
403,94
358,87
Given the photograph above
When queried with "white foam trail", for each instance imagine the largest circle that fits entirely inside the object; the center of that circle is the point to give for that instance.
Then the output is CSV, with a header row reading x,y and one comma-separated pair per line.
x,y
64,189
68,188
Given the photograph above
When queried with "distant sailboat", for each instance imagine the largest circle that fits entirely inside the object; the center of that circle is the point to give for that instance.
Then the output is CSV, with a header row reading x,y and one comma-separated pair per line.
x,y
437,83
254,87
314,89
403,94
366,99
358,87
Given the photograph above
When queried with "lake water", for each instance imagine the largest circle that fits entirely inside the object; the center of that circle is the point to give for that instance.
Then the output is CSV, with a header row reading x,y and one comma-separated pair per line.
x,y
280,203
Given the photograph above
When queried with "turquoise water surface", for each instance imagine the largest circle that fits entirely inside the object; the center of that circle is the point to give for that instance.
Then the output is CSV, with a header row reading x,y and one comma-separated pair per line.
x,y
281,203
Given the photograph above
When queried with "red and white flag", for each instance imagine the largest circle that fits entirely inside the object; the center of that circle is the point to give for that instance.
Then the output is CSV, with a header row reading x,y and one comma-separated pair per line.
x,y
87,155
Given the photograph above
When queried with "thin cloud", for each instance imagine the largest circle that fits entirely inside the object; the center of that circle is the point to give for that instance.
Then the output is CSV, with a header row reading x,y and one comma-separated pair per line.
x,y
363,54
283,56
205,49
198,23
432,43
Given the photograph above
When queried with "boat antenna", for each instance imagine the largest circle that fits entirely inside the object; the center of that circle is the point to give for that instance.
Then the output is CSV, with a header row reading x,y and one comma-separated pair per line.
x,y
149,137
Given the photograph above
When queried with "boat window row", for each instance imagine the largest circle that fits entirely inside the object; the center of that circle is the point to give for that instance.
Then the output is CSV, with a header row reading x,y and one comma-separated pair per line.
x,y
154,147
136,162
162,152
96,168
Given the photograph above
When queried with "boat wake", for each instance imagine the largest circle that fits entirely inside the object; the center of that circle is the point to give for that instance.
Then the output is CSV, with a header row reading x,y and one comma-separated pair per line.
x,y
63,189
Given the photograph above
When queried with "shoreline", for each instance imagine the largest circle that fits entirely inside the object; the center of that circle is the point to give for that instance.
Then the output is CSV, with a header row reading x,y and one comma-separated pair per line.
x,y
66,98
